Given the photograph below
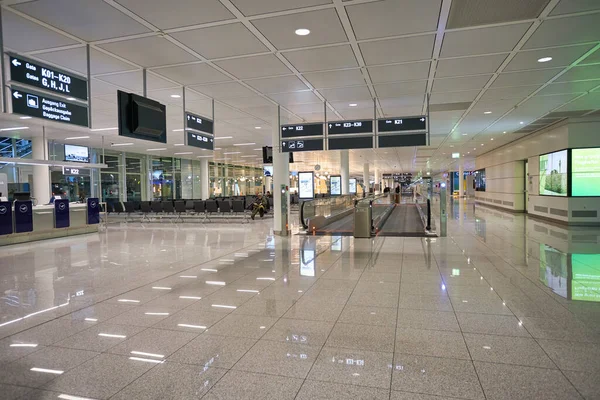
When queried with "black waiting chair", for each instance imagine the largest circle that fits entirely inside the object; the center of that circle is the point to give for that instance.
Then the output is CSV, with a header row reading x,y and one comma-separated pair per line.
x,y
225,208
180,209
118,207
238,208
129,208
167,207
146,210
157,209
199,208
211,207
189,205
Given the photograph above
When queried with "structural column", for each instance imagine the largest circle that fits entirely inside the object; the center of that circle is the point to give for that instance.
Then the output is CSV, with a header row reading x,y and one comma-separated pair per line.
x,y
461,174
376,173
366,177
204,179
281,177
41,173
122,177
345,170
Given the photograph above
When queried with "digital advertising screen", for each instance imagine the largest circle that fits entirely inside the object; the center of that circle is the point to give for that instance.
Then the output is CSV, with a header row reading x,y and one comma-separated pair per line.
x,y
585,172
352,186
307,263
335,185
553,174
306,188
268,170
77,153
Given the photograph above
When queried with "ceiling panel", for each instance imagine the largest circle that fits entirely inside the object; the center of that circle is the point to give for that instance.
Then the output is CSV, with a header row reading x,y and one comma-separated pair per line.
x,y
100,88
23,35
193,74
324,25
177,13
357,113
76,60
225,90
399,72
454,97
588,102
514,92
538,105
568,30
344,105
593,58
415,48
573,6
497,39
388,18
525,77
561,57
305,96
255,7
587,72
322,59
307,108
136,50
458,84
569,87
469,65
349,94
464,13
281,84
87,19
414,101
332,79
221,41
400,89
254,67
248,102
390,111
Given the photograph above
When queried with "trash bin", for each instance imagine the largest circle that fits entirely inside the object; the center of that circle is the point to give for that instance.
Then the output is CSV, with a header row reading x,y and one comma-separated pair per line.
x,y
363,219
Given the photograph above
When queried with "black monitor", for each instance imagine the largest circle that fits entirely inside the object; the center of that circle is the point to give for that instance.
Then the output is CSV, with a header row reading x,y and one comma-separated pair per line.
x,y
141,118
22,196
268,155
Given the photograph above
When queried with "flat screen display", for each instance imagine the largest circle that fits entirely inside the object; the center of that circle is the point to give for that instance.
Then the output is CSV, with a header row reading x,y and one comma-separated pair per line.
x,y
77,153
141,118
553,174
268,170
307,263
585,172
336,185
352,186
306,188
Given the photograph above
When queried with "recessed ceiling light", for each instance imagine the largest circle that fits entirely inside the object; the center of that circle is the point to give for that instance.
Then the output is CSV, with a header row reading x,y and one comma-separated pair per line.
x,y
157,149
464,134
352,104
179,144
77,137
223,137
14,129
71,98
183,153
545,59
521,122
121,144
487,112
177,130
244,144
504,132
302,32
104,129
257,127
25,117
492,139
175,96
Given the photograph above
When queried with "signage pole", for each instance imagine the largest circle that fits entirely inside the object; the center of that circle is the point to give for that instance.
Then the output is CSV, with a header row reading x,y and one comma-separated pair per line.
x,y
428,122
213,118
443,216
89,84
3,77
325,144
376,144
185,140
144,82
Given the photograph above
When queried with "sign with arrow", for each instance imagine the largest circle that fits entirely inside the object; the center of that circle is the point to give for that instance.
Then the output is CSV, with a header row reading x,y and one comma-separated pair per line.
x,y
47,107
402,124
48,78
301,145
199,140
199,123
292,131
350,127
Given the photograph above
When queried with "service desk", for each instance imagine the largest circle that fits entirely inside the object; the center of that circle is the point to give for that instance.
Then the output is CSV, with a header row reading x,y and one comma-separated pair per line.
x,y
26,223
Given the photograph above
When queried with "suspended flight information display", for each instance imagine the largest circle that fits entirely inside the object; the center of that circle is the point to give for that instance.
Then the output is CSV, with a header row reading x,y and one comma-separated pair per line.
x,y
348,127
291,131
49,78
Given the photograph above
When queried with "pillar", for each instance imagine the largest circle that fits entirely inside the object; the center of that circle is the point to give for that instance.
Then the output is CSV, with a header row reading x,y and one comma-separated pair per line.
x,y
375,187
281,176
41,173
148,195
366,177
461,174
122,177
345,170
204,179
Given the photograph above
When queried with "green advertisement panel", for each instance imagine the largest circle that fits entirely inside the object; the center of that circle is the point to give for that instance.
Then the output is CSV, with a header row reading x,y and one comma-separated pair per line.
x,y
586,172
585,284
553,174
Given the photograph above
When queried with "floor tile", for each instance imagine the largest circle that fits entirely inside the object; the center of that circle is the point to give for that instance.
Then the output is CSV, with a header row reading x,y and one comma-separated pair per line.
x,y
507,350
313,333
52,358
491,324
369,315
417,396
431,343
101,377
426,319
249,326
172,381
374,299
242,385
501,381
189,321
546,328
218,351
574,356
11,392
473,304
353,367
436,376
418,302
143,316
155,341
274,358
265,307
334,391
586,383
10,353
51,332
314,311
100,337
362,337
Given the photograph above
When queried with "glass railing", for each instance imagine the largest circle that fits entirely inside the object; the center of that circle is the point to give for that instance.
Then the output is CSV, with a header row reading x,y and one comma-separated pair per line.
x,y
326,207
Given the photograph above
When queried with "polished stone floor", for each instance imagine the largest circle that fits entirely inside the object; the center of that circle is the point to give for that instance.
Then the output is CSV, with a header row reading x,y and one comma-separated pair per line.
x,y
505,307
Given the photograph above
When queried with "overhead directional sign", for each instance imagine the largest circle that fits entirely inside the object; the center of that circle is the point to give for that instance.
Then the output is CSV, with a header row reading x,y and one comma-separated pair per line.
x,y
345,127
405,140
360,142
199,123
402,124
48,107
71,171
290,131
35,74
302,145
201,141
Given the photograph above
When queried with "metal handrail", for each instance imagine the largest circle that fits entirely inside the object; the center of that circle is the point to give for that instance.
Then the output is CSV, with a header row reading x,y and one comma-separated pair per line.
x,y
318,202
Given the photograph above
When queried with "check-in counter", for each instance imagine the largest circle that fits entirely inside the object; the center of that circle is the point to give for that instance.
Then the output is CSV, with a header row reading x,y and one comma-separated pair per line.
x,y
21,222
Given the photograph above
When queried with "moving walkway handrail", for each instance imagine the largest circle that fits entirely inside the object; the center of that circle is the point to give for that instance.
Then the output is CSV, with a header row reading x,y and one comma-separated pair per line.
x,y
333,203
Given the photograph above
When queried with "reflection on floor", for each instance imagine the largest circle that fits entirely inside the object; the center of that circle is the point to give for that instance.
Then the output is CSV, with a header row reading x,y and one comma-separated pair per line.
x,y
505,307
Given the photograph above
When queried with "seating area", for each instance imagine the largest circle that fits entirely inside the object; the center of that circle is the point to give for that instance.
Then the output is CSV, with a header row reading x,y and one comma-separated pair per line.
x,y
190,210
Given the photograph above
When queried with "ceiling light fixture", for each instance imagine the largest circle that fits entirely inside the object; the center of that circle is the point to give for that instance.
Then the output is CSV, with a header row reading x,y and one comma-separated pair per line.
x,y
544,59
71,98
177,130
104,129
504,132
223,137
492,139
157,149
203,156
257,127
352,104
179,144
14,129
487,112
25,117
175,96
232,152
77,137
521,123
183,153
302,32
121,144
244,144
464,134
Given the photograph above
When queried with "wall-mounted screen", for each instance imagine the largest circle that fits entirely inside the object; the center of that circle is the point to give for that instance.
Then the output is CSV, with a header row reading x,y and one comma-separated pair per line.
x,y
335,185
306,188
352,186
585,172
480,180
268,170
141,118
553,174
77,153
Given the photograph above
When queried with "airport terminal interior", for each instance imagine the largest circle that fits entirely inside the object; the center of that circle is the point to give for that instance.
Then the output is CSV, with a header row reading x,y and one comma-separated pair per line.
x,y
300,199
